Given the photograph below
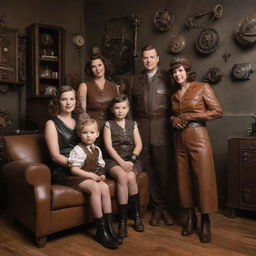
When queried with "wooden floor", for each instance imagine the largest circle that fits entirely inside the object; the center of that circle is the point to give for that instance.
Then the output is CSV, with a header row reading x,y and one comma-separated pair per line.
x,y
231,237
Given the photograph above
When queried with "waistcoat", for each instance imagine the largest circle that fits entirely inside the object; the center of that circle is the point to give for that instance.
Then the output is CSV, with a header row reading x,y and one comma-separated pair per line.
x,y
122,139
99,100
91,162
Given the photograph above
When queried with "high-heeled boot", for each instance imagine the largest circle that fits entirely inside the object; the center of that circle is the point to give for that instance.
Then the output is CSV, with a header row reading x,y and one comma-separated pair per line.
x,y
122,224
111,231
135,205
191,222
102,235
205,234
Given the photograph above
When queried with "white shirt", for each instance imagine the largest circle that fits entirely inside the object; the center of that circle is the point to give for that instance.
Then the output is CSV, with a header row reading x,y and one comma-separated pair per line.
x,y
77,156
150,75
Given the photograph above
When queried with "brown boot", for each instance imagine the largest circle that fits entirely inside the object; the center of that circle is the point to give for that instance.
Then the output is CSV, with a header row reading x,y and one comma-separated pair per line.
x,y
156,217
167,218
191,223
205,234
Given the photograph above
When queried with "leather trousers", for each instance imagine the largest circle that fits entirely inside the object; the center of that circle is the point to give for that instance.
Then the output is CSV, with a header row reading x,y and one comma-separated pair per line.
x,y
195,170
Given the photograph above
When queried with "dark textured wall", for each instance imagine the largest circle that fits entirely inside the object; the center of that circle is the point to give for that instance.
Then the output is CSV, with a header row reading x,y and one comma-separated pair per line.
x,y
20,14
237,98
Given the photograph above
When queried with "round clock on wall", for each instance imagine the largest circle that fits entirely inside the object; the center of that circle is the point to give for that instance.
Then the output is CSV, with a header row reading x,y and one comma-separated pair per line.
x,y
78,40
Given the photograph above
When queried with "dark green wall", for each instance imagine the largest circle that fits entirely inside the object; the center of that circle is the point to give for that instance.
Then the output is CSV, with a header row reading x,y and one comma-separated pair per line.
x,y
237,98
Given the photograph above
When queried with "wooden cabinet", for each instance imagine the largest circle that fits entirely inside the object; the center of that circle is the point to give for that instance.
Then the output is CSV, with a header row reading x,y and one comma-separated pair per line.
x,y
45,59
241,175
45,73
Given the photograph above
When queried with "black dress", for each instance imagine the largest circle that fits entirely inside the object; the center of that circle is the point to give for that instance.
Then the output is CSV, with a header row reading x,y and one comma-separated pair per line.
x,y
67,139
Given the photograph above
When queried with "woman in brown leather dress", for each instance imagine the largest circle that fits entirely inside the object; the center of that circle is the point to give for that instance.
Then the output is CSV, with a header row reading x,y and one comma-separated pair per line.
x,y
193,103
97,94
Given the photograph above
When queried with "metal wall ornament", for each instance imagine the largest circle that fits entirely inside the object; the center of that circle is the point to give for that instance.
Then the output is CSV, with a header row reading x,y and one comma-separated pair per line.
x,y
242,71
163,19
177,44
208,41
213,75
120,51
245,33
194,21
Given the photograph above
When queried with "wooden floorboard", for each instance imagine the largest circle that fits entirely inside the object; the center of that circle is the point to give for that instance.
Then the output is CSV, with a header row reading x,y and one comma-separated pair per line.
x,y
231,237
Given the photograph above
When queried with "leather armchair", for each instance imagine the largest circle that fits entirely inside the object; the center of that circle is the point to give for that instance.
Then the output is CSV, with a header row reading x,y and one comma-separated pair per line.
x,y
36,203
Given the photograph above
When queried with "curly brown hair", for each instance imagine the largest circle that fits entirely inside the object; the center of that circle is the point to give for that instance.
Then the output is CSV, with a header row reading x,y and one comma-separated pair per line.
x,y
109,70
54,104
84,123
182,61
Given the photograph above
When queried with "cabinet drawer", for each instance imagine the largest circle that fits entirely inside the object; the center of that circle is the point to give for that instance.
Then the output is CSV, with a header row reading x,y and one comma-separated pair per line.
x,y
248,144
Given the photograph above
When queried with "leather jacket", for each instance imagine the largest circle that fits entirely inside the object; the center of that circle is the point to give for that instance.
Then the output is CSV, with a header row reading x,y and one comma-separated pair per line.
x,y
150,104
199,103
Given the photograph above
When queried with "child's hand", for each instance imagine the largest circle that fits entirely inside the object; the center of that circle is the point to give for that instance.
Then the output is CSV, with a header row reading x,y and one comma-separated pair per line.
x,y
127,166
96,177
103,177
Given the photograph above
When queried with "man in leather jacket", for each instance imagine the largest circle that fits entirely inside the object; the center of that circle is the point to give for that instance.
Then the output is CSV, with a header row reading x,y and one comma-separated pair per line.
x,y
149,94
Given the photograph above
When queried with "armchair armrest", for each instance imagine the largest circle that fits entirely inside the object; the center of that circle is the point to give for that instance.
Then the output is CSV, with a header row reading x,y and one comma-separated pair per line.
x,y
29,194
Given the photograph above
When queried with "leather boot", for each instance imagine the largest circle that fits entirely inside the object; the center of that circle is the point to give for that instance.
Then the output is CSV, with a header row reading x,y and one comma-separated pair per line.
x,y
167,218
205,234
155,219
135,204
102,235
122,225
191,223
111,231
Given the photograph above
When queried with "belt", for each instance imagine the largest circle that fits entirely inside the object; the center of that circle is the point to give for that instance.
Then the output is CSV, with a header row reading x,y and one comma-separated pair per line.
x,y
193,124
125,147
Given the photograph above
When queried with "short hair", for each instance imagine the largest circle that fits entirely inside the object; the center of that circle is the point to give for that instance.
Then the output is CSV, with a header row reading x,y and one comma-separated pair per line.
x,y
148,47
120,98
54,104
182,61
84,123
109,71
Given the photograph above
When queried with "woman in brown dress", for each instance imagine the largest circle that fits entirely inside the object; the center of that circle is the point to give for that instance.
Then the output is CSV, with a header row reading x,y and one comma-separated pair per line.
x,y
193,103
97,94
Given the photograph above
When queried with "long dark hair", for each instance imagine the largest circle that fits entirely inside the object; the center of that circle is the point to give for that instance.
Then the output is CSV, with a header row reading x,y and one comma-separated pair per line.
x,y
54,104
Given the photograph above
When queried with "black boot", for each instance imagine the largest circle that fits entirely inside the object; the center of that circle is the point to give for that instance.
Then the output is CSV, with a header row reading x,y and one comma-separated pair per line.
x,y
205,234
191,223
102,235
135,205
111,231
122,225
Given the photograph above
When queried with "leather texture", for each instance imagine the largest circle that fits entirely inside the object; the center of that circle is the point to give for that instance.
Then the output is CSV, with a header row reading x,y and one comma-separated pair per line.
x,y
32,199
193,147
150,107
99,100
